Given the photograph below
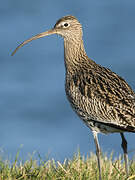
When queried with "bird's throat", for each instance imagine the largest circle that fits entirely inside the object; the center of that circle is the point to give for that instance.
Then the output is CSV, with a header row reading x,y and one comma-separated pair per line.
x,y
73,53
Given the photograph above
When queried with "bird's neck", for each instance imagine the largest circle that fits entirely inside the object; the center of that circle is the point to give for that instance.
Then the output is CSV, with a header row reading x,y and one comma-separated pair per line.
x,y
74,53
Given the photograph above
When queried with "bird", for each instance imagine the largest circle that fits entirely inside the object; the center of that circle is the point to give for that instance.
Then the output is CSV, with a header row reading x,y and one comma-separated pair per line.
x,y
102,99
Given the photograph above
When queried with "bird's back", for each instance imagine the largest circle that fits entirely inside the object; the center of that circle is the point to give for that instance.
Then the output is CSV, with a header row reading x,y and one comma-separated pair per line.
x,y
104,100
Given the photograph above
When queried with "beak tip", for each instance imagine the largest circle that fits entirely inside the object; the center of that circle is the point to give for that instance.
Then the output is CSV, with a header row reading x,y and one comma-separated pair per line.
x,y
12,54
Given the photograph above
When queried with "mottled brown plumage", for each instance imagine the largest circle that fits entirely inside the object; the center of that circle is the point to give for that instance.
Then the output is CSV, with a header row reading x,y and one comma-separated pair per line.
x,y
101,98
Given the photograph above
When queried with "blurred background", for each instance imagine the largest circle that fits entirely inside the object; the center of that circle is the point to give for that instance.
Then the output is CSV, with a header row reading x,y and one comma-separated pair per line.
x,y
34,111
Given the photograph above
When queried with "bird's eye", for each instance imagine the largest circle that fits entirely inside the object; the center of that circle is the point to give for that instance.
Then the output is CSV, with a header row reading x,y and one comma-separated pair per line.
x,y
66,24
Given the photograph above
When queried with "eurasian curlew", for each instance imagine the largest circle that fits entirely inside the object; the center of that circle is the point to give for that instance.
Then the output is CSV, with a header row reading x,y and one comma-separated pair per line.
x,y
101,98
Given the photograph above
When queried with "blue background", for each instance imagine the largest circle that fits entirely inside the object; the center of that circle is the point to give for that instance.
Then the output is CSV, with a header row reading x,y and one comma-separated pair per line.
x,y
34,110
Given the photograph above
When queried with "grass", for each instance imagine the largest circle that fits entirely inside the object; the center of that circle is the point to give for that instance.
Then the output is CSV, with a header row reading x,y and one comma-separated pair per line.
x,y
79,168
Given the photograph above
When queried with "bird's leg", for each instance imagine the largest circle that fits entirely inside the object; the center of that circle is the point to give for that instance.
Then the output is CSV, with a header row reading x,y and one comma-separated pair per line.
x,y
124,147
98,152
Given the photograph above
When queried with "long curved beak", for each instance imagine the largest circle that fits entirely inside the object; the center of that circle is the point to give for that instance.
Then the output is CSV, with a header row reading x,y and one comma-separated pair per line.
x,y
49,32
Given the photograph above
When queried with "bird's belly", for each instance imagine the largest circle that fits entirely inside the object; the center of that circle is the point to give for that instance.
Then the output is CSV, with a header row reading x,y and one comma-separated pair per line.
x,y
82,105
88,111
94,123
101,128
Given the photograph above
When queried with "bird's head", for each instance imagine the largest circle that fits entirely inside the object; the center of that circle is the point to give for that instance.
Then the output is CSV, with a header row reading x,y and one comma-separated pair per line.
x,y
68,27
